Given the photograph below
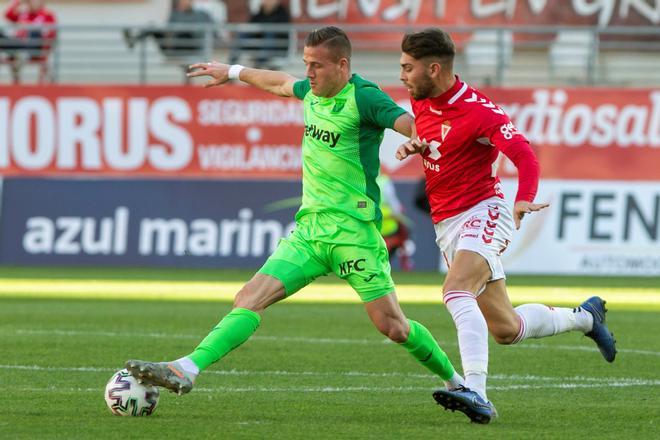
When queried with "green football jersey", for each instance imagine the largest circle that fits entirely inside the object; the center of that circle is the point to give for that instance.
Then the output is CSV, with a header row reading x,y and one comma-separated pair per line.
x,y
340,148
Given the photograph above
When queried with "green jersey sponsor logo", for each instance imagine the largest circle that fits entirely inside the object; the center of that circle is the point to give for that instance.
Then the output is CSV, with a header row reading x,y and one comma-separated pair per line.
x,y
351,266
329,137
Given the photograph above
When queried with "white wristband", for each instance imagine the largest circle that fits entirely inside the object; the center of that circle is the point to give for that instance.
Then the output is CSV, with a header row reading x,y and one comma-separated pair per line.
x,y
235,71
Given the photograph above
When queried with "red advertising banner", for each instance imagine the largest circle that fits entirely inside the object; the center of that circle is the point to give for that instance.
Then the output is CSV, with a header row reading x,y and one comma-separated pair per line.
x,y
184,131
237,131
596,134
473,12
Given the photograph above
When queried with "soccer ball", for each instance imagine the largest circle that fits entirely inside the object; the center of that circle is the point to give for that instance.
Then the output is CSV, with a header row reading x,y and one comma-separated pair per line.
x,y
126,397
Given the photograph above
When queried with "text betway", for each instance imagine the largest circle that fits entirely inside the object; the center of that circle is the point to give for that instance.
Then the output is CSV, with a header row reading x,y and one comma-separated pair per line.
x,y
325,136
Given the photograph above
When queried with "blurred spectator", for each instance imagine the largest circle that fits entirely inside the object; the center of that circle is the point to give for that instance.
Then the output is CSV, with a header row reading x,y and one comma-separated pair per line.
x,y
33,38
177,43
268,45
215,8
393,229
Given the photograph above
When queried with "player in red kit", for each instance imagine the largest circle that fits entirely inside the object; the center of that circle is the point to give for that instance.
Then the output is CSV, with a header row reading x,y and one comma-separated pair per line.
x,y
35,35
460,134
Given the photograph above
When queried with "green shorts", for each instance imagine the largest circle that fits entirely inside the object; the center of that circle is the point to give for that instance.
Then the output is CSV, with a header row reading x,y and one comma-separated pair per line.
x,y
325,242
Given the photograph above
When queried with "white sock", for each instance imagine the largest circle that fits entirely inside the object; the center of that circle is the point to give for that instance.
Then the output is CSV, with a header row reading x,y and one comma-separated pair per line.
x,y
472,338
539,321
455,382
477,382
189,367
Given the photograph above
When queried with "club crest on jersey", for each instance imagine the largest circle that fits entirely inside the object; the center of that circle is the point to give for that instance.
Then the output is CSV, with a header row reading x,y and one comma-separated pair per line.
x,y
325,136
444,129
339,105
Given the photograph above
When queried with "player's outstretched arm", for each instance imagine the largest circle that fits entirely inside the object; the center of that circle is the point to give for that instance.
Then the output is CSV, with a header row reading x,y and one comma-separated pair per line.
x,y
277,83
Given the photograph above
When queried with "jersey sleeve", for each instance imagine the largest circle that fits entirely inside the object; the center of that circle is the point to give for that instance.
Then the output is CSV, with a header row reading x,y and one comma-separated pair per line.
x,y
504,136
12,11
377,108
498,128
300,88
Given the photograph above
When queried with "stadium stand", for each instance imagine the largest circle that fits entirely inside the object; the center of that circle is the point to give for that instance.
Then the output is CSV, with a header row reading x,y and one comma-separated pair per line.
x,y
488,53
526,56
573,54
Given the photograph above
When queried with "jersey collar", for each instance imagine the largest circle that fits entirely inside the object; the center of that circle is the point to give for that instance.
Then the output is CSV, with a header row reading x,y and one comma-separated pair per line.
x,y
325,100
451,96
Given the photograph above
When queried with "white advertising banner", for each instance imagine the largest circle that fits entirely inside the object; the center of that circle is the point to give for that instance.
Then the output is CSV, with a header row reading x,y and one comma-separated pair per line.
x,y
591,227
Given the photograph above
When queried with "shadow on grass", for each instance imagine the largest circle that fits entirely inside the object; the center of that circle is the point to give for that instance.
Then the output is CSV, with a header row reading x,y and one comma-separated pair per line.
x,y
239,275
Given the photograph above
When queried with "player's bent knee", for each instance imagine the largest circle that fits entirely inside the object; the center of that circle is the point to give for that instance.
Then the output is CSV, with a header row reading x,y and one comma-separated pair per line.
x,y
506,340
398,335
395,331
505,335
246,300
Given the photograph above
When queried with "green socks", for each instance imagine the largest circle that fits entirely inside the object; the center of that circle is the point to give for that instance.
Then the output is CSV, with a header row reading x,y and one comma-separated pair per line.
x,y
240,324
423,347
232,331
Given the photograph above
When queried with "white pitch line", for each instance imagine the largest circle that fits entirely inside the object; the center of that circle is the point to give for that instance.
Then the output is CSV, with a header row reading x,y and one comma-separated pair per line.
x,y
583,348
56,332
40,368
363,388
524,345
195,337
497,377
390,389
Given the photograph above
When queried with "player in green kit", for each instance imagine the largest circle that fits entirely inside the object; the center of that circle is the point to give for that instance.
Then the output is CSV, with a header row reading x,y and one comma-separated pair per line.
x,y
337,225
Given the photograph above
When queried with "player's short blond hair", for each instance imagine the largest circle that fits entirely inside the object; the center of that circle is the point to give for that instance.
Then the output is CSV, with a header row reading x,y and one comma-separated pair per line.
x,y
334,39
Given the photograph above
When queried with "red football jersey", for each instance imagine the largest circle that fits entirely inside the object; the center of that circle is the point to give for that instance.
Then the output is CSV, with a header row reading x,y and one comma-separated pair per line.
x,y
466,132
16,13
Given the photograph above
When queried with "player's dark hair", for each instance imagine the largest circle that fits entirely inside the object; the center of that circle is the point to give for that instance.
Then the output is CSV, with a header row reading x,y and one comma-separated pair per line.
x,y
333,38
430,43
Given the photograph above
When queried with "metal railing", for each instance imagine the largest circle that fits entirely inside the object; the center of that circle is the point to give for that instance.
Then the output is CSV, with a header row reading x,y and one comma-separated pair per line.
x,y
557,55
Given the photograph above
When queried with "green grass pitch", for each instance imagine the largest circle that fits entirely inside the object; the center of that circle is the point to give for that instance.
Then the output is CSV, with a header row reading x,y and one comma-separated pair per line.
x,y
316,368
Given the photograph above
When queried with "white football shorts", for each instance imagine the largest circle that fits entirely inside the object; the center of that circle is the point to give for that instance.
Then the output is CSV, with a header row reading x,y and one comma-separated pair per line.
x,y
486,229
